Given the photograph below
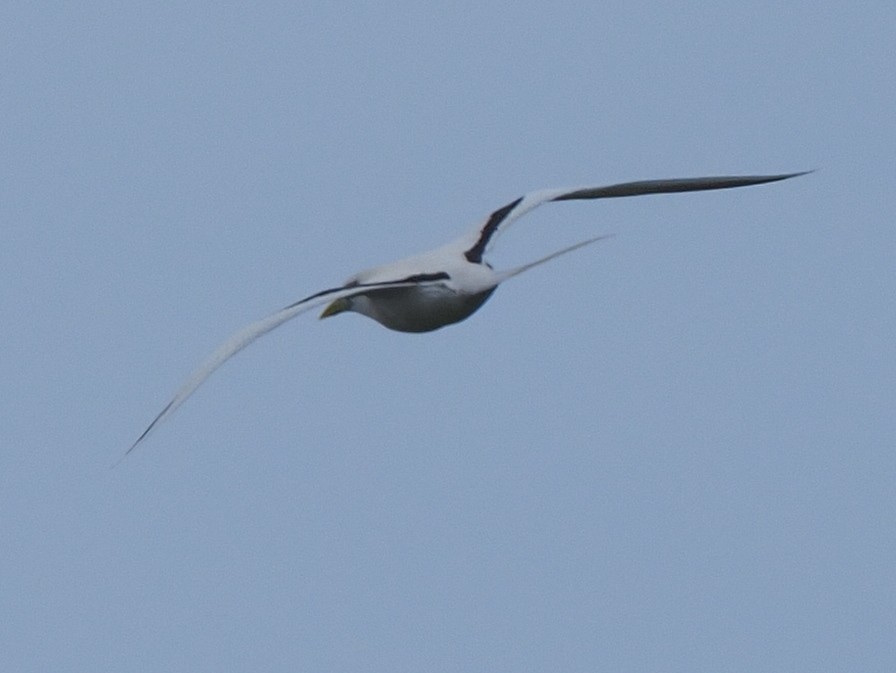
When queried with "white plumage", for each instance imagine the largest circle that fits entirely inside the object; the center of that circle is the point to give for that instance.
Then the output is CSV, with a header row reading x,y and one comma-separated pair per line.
x,y
441,286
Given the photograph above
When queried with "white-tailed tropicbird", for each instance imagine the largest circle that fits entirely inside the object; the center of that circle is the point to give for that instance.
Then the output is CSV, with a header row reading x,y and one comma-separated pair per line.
x,y
443,286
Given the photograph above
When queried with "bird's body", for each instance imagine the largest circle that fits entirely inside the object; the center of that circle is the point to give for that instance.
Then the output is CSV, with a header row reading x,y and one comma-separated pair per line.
x,y
442,286
439,298
422,308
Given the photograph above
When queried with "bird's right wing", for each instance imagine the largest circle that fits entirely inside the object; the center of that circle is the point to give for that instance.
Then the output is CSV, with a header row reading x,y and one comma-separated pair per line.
x,y
475,243
257,329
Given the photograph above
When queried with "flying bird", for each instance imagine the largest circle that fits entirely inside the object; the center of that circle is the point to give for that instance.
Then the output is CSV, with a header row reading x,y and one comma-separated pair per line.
x,y
442,286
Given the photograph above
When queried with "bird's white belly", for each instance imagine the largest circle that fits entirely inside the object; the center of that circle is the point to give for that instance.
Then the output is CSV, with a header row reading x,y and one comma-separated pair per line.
x,y
419,309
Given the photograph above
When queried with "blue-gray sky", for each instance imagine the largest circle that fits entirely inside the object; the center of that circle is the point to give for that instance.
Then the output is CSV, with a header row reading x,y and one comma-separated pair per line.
x,y
672,451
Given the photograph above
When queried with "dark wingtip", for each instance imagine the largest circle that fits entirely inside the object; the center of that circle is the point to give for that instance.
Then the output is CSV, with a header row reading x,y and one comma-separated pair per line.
x,y
149,428
797,174
133,446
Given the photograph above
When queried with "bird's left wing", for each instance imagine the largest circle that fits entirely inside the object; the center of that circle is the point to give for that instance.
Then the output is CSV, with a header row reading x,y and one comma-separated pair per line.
x,y
475,243
257,329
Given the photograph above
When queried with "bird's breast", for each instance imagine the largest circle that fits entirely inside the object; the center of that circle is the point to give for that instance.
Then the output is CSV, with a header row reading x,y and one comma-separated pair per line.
x,y
419,309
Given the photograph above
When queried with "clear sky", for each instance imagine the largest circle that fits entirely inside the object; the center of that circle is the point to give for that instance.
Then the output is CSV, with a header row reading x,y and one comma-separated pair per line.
x,y
671,451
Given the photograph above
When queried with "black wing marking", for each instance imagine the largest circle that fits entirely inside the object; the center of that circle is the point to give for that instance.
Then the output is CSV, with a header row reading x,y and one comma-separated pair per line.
x,y
494,221
476,243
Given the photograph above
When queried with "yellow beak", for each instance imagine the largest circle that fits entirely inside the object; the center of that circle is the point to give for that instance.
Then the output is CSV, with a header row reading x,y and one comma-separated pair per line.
x,y
335,306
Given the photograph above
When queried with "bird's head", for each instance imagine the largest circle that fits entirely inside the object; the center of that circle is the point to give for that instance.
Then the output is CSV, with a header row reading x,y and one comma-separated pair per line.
x,y
337,306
